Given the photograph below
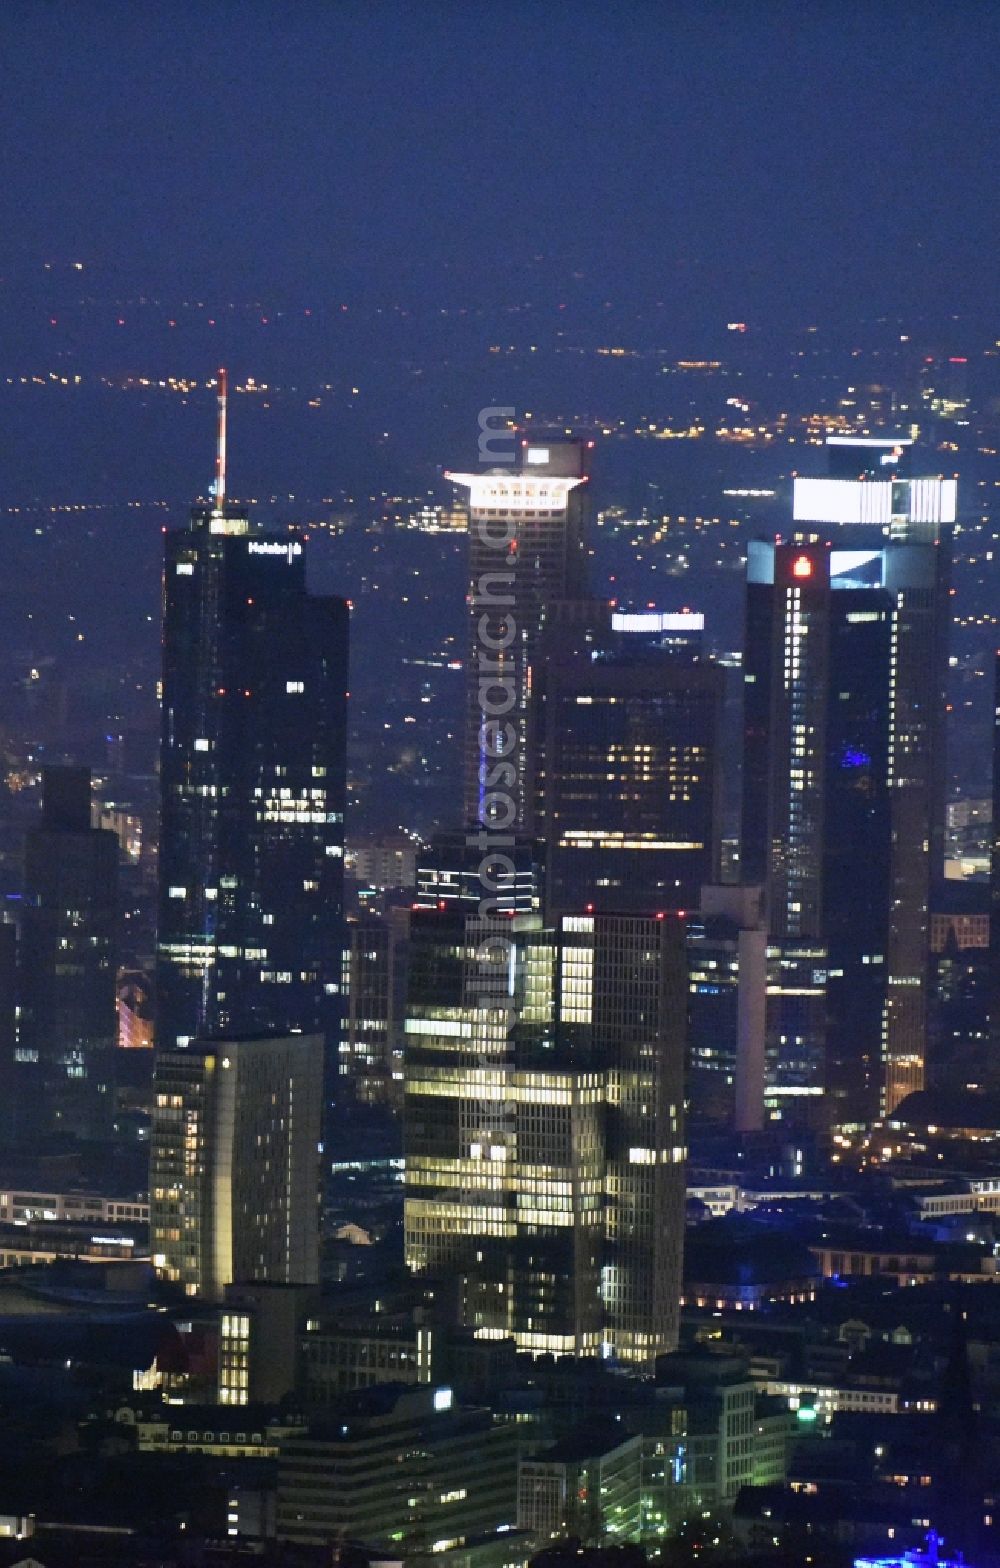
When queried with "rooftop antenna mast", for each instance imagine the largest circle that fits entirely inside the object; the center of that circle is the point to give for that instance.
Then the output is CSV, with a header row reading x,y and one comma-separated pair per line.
x,y
220,442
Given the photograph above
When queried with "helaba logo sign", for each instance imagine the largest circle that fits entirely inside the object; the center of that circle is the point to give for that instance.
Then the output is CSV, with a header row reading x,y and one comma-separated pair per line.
x,y
266,547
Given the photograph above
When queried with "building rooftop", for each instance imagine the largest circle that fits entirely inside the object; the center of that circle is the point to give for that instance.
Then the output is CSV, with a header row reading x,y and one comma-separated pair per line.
x,y
596,1442
949,1108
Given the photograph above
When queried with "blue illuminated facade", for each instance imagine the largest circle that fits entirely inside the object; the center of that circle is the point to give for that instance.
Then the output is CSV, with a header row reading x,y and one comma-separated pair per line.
x,y
930,1557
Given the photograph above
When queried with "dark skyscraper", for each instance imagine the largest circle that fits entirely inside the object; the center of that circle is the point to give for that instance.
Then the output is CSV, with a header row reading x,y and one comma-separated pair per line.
x,y
252,785
371,1056
69,943
624,747
526,550
857,846
727,1006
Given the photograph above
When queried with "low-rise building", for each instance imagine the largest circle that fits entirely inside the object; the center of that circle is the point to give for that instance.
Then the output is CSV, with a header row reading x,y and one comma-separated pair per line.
x,y
734,1263
252,1432
409,1467
587,1486
727,1435
901,1260
337,1359
85,1208
25,1242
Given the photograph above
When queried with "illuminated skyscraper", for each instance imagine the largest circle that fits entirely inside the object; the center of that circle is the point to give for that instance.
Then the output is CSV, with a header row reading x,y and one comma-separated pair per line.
x,y
624,746
526,550
638,1017
840,789
817,822
543,1126
234,1163
504,1130
252,786
887,483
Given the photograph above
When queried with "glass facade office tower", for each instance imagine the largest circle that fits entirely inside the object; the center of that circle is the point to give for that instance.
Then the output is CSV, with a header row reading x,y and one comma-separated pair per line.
x,y
450,870
253,768
886,482
526,550
624,746
68,962
835,819
638,1009
543,1126
234,1163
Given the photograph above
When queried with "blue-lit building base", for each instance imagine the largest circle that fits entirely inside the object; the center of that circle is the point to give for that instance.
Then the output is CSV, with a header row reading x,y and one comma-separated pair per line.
x,y
931,1556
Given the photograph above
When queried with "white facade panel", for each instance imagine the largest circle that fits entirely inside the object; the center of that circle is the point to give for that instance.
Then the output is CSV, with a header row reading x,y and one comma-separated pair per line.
x,y
842,501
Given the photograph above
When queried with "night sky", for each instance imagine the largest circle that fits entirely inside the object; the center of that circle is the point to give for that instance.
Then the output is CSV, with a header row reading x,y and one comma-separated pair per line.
x,y
339,196
770,160
391,215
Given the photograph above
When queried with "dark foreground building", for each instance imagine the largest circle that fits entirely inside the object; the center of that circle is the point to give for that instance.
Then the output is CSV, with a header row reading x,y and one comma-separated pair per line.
x,y
69,958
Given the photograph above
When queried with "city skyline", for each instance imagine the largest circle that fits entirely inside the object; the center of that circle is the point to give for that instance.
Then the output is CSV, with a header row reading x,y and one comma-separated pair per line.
x,y
500,848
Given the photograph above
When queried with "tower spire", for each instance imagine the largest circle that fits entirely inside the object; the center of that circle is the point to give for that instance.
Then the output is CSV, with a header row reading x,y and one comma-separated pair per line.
x,y
220,442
